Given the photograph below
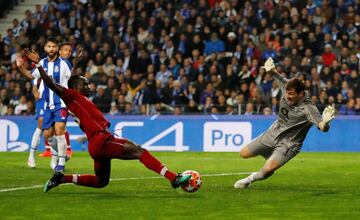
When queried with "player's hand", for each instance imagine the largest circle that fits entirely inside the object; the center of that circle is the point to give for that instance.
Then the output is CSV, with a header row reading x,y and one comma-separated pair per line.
x,y
328,114
79,52
269,64
19,60
32,55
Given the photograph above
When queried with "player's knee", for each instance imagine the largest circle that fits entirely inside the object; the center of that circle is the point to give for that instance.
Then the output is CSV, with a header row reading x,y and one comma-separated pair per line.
x,y
138,151
102,183
132,151
245,152
47,135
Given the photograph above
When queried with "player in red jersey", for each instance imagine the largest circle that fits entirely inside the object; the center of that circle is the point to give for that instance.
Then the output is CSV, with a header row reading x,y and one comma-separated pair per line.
x,y
103,146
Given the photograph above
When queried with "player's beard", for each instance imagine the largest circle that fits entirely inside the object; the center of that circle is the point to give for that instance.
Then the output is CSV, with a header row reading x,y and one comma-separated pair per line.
x,y
52,55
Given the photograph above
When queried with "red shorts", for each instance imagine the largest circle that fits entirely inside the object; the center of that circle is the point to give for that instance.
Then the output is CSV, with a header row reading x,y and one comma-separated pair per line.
x,y
105,146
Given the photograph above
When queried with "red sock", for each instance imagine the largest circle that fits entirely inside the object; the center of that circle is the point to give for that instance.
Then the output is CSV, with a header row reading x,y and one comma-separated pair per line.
x,y
47,144
84,180
67,137
154,164
68,178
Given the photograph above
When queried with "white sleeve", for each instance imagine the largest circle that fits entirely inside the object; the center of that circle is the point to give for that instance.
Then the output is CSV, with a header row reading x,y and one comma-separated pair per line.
x,y
67,68
36,73
35,82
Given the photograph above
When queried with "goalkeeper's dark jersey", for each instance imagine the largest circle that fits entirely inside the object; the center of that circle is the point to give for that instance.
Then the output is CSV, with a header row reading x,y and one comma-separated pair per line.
x,y
293,122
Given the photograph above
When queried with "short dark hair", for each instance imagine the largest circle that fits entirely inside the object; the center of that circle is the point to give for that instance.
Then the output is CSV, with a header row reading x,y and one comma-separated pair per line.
x,y
65,43
51,39
295,84
73,81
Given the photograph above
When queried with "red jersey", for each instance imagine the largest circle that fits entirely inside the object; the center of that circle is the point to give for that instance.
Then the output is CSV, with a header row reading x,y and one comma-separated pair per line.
x,y
86,114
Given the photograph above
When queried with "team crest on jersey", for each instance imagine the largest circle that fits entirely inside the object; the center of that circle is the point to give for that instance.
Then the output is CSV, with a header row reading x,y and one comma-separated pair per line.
x,y
56,69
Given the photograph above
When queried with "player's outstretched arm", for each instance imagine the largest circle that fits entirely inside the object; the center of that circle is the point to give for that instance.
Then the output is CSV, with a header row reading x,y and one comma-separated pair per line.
x,y
269,67
78,57
20,65
327,116
34,57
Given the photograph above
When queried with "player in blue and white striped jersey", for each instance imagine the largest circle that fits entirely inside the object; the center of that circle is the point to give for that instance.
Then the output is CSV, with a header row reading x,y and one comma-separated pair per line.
x,y
55,112
65,53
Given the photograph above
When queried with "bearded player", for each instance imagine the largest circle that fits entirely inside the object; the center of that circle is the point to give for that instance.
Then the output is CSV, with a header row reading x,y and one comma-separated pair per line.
x,y
103,146
283,140
65,52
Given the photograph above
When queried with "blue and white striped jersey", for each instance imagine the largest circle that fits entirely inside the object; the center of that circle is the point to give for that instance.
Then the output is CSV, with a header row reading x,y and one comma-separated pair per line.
x,y
60,71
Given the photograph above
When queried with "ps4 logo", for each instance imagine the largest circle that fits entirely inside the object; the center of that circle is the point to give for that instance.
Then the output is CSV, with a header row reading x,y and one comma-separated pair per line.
x,y
177,129
9,136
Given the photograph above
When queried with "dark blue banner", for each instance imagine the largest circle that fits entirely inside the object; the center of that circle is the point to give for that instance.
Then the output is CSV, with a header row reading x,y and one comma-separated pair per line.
x,y
188,133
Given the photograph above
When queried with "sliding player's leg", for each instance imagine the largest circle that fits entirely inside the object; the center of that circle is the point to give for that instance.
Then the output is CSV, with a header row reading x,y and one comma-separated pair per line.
x,y
99,180
127,150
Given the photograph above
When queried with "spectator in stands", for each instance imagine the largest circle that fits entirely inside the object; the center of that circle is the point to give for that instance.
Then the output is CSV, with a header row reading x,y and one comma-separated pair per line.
x,y
21,107
267,111
328,56
249,109
348,108
200,44
101,101
215,45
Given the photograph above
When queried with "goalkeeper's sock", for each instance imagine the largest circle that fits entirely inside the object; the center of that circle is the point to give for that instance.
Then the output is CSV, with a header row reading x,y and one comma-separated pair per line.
x,y
260,175
155,165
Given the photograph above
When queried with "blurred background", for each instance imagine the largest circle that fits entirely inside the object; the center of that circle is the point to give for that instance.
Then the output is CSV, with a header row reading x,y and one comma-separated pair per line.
x,y
187,57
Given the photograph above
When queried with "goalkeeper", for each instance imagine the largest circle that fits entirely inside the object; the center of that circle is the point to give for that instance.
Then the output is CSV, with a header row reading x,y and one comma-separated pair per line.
x,y
283,140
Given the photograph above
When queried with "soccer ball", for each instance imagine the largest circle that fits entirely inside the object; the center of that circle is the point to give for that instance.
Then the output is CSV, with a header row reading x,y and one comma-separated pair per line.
x,y
194,182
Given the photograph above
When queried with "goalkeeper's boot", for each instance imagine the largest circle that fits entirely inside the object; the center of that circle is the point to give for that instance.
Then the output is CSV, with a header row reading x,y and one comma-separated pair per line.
x,y
54,181
180,180
46,153
243,183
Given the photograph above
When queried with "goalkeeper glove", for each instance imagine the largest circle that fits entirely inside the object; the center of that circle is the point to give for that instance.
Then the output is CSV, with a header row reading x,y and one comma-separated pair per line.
x,y
328,114
269,64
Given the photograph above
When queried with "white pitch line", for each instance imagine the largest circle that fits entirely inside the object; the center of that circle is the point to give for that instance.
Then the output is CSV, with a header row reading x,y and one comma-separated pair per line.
x,y
124,179
20,188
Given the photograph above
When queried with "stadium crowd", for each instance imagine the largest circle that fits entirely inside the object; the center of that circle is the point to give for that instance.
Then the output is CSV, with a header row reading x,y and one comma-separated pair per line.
x,y
193,57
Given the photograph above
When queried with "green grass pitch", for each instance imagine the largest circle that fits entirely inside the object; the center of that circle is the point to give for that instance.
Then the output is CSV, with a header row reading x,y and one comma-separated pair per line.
x,y
311,186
